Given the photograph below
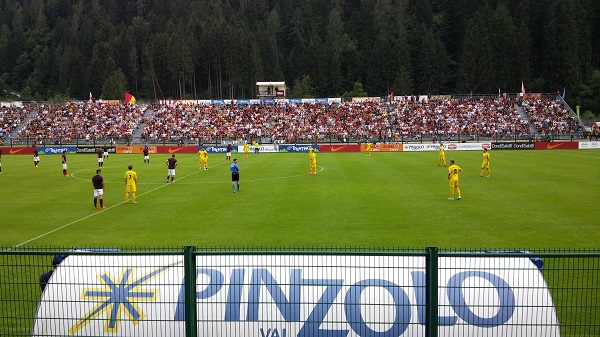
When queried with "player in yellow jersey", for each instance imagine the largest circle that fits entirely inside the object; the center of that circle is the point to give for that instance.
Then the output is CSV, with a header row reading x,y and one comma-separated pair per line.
x,y
369,145
130,184
485,164
246,149
454,173
442,156
312,167
203,155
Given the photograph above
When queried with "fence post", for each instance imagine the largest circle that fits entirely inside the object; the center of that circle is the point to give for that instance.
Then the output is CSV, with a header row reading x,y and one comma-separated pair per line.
x,y
431,291
189,277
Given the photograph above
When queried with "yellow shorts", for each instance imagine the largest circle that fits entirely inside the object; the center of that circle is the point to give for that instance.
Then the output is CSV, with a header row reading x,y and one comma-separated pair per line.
x,y
453,182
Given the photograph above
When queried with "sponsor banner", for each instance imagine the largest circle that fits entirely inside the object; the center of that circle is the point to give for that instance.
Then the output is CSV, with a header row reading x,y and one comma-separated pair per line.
x,y
339,148
421,147
502,146
216,149
270,148
170,102
294,295
366,99
524,146
467,146
556,145
298,147
377,147
138,149
177,149
91,149
17,150
589,145
512,146
56,150
10,105
449,146
380,147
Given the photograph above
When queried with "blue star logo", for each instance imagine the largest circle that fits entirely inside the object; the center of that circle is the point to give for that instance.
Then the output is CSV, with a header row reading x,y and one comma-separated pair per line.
x,y
119,298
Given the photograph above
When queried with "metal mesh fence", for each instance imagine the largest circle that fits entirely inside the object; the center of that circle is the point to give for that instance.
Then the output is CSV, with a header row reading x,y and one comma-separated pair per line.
x,y
299,291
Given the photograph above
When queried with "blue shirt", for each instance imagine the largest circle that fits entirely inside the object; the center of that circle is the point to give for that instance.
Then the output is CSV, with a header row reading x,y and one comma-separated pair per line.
x,y
234,168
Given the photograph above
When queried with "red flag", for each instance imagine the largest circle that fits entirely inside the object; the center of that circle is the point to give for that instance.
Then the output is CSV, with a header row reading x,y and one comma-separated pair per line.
x,y
129,99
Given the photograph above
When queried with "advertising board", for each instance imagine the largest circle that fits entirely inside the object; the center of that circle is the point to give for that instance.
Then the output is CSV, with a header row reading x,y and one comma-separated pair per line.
x,y
177,149
137,149
589,145
295,295
381,147
556,145
94,149
339,148
17,150
512,146
449,147
56,149
298,147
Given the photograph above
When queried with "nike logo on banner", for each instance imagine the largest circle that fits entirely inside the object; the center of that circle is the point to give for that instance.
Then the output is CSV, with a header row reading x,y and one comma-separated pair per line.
x,y
550,147
173,151
15,151
336,149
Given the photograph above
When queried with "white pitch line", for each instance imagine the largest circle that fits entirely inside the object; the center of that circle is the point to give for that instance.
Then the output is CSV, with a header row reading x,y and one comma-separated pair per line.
x,y
96,213
137,196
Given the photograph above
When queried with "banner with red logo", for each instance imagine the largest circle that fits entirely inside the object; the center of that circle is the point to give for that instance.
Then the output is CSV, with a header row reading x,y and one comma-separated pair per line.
x,y
556,145
177,149
17,150
340,148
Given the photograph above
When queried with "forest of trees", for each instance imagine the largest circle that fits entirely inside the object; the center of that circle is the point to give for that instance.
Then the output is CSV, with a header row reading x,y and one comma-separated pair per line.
x,y
200,49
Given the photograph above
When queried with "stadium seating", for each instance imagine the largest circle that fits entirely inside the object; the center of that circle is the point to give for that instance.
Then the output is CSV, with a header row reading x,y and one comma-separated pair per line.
x,y
436,119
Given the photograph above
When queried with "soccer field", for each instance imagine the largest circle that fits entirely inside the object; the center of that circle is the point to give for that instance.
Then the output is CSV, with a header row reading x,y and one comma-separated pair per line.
x,y
534,199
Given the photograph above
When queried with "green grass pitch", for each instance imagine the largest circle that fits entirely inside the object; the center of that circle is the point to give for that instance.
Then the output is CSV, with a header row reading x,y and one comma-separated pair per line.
x,y
534,199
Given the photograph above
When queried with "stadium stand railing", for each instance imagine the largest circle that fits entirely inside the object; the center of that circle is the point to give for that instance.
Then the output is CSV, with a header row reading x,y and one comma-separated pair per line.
x,y
437,298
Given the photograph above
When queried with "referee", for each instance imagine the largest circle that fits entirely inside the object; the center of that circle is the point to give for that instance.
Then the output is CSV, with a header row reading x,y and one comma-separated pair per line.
x,y
235,175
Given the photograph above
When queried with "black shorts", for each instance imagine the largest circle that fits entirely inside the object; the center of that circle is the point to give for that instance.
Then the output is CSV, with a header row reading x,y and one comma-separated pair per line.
x,y
235,176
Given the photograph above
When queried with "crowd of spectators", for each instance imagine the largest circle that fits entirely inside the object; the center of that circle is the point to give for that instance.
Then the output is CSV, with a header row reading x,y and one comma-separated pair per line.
x,y
10,119
384,121
550,117
448,119
404,119
65,122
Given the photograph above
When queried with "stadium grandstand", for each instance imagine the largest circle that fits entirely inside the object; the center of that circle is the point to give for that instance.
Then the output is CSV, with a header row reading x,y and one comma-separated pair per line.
x,y
403,119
